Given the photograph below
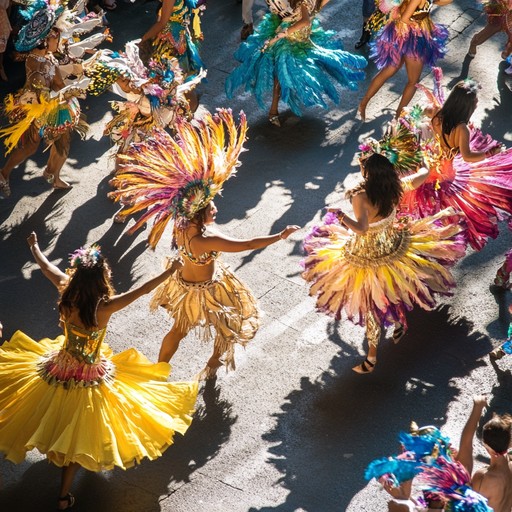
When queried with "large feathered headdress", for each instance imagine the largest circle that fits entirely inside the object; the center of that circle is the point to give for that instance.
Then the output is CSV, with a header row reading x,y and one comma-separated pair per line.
x,y
173,178
398,144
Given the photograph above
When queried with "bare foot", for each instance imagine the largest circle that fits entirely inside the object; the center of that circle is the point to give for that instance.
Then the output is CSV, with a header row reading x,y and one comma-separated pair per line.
x,y
60,184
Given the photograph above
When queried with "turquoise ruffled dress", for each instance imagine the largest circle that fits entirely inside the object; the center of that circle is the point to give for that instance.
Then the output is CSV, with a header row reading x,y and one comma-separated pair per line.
x,y
309,63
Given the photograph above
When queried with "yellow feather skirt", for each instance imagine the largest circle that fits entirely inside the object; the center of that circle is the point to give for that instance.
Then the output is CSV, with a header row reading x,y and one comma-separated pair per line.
x,y
396,265
115,423
222,309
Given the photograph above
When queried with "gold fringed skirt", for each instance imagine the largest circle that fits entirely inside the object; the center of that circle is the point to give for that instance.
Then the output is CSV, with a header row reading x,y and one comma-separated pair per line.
x,y
222,309
131,415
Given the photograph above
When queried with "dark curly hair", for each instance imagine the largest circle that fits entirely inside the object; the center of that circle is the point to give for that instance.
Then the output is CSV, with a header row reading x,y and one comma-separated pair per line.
x,y
381,184
458,107
85,289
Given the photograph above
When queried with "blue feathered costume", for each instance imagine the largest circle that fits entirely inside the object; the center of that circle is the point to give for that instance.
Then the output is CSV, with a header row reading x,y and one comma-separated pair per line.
x,y
307,62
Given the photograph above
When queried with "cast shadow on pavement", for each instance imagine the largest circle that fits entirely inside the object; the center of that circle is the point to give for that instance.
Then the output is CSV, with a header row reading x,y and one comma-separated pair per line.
x,y
330,429
290,162
140,488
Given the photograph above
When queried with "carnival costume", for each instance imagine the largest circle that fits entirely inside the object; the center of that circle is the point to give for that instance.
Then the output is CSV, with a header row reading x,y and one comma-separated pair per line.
x,y
477,189
76,402
376,277
427,455
308,63
423,39
499,12
36,110
178,40
154,102
175,178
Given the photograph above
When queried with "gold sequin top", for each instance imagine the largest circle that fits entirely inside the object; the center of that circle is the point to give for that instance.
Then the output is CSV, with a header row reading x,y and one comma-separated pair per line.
x,y
382,241
283,9
83,344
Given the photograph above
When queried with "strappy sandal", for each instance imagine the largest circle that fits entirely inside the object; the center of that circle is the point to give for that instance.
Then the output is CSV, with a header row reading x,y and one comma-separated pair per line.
x,y
5,188
496,354
398,333
49,177
274,119
209,371
365,367
502,279
69,498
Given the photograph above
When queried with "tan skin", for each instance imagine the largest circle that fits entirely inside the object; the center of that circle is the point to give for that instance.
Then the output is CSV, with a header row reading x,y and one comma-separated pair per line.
x,y
413,67
366,213
200,242
304,21
21,153
495,481
458,138
155,29
104,311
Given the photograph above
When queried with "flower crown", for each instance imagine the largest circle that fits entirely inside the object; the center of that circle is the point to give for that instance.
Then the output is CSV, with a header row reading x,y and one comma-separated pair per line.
x,y
85,257
470,86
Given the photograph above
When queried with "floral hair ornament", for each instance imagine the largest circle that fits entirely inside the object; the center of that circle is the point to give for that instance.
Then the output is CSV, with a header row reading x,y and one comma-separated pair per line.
x,y
399,145
85,257
173,178
469,85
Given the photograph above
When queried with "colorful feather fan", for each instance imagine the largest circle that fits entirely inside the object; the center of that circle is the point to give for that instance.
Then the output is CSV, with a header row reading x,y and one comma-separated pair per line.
x,y
173,178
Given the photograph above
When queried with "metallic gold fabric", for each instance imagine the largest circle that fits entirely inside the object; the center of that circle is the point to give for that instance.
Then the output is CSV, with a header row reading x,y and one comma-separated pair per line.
x,y
223,309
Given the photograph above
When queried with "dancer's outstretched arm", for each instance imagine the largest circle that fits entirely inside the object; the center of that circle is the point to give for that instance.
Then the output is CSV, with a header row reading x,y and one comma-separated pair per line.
x,y
50,271
465,455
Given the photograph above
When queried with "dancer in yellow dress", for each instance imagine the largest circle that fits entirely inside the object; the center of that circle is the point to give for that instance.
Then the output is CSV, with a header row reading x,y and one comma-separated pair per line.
x,y
75,401
375,267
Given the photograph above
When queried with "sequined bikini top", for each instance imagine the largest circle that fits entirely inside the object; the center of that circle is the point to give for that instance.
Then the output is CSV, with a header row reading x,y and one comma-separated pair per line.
x,y
203,259
425,9
284,10
83,344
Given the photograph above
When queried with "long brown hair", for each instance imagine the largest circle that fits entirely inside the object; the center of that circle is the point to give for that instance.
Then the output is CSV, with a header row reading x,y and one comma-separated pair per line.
x,y
87,286
381,184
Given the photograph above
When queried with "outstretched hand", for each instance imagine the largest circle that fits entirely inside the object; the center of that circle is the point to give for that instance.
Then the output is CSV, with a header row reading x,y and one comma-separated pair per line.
x,y
288,230
32,239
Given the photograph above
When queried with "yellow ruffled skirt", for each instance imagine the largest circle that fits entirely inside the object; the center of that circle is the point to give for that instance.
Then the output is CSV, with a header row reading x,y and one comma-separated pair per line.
x,y
222,309
118,422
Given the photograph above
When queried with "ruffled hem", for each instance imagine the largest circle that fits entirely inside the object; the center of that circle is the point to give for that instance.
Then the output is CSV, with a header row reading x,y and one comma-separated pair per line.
x,y
386,287
479,190
308,70
222,309
426,42
116,423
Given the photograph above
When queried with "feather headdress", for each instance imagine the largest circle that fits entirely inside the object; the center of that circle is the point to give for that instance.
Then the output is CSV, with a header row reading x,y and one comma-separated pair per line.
x,y
399,145
173,178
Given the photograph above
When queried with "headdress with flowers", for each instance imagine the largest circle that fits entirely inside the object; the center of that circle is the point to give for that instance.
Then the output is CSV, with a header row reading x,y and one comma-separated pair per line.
x,y
469,85
41,18
173,178
85,257
398,144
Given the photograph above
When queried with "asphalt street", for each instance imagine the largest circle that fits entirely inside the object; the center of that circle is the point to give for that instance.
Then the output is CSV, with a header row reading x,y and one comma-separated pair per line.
x,y
293,428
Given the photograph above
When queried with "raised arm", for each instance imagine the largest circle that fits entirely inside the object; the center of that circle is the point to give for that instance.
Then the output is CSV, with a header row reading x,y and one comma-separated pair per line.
x,y
165,14
465,455
122,300
52,272
224,243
